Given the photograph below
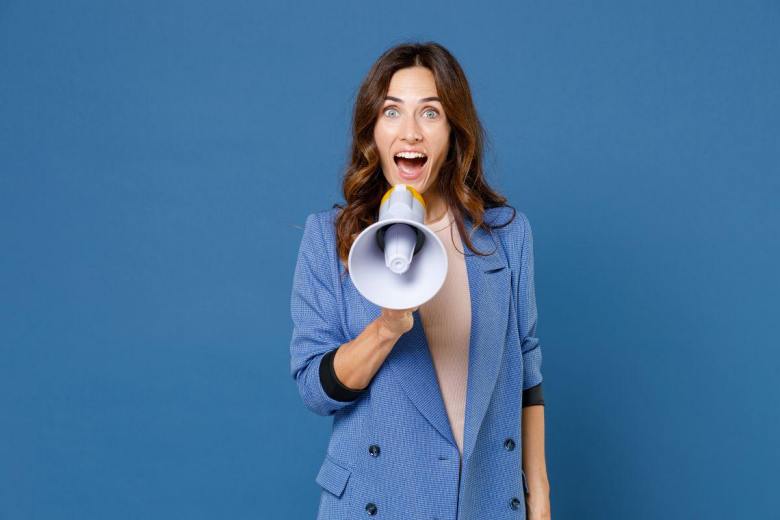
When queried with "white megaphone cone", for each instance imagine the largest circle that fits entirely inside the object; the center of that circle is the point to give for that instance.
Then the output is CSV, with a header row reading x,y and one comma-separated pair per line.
x,y
398,262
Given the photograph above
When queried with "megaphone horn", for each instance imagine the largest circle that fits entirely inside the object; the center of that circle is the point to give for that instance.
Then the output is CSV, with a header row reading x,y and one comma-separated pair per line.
x,y
398,262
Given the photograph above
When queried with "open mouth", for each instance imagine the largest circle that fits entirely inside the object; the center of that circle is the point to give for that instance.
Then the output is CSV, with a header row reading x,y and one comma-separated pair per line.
x,y
410,165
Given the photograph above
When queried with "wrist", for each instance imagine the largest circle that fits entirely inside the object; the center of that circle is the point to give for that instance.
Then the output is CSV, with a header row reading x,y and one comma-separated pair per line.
x,y
538,503
385,335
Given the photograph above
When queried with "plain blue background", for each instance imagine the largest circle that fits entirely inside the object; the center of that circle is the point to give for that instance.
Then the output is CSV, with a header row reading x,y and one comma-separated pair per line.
x,y
157,163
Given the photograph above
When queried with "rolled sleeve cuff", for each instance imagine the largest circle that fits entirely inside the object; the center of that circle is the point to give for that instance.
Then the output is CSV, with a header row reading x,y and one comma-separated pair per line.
x,y
330,383
533,396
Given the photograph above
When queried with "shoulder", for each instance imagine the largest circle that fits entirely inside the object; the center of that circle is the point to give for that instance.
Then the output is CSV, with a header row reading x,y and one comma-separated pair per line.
x,y
320,222
509,222
324,217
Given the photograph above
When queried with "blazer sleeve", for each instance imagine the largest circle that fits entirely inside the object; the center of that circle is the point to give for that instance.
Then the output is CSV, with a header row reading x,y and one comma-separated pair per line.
x,y
526,312
314,308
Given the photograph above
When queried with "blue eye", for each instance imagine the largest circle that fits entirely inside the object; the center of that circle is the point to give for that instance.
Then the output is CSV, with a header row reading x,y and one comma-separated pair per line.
x,y
436,112
389,110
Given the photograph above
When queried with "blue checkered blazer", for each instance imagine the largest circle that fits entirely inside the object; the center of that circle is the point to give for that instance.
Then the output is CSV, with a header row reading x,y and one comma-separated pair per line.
x,y
391,452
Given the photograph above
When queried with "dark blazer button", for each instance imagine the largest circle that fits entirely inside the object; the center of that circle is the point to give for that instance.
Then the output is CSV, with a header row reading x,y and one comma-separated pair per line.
x,y
509,444
514,503
371,509
373,450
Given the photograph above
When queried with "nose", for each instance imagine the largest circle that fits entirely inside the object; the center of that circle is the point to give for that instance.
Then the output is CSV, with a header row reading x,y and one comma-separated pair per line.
x,y
410,130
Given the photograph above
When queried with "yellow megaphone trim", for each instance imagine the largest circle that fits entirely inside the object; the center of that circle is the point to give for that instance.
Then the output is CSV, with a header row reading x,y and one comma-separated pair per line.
x,y
414,193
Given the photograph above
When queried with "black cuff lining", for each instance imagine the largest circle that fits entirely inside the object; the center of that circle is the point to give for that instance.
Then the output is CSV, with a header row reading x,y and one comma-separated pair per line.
x,y
533,396
330,383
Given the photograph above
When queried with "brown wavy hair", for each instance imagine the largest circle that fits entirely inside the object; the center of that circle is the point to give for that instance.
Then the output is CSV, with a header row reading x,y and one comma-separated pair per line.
x,y
461,180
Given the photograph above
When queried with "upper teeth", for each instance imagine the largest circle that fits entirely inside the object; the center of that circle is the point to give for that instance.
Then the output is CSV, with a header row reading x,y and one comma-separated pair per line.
x,y
410,155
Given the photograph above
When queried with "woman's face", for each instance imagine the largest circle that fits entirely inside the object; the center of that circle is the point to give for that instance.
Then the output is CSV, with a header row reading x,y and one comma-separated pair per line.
x,y
412,120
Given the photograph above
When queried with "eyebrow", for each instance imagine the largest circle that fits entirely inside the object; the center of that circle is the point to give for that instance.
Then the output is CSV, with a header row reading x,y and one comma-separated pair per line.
x,y
423,100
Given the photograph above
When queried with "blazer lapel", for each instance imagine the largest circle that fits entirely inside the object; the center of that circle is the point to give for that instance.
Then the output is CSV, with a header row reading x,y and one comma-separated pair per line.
x,y
410,360
411,363
490,288
411,366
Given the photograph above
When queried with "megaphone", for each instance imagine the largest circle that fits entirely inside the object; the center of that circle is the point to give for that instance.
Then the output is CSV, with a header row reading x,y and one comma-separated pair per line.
x,y
398,262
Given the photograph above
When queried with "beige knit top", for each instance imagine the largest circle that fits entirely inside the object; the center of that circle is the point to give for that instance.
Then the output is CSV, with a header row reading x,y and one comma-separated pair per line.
x,y
446,319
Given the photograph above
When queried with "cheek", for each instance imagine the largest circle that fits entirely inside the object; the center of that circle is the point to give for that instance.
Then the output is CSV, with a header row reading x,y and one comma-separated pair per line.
x,y
441,139
442,149
383,145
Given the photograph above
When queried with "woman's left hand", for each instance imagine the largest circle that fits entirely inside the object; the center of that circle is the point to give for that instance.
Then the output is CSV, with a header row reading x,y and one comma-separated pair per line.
x,y
537,506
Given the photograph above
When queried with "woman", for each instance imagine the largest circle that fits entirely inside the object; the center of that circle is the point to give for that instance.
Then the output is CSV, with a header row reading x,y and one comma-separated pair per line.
x,y
437,411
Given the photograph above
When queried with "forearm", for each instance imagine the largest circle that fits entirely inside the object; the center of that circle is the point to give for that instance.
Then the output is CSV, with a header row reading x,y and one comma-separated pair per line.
x,y
534,464
356,362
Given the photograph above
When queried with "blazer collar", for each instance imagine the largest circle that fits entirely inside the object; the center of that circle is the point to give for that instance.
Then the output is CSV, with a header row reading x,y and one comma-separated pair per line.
x,y
410,361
